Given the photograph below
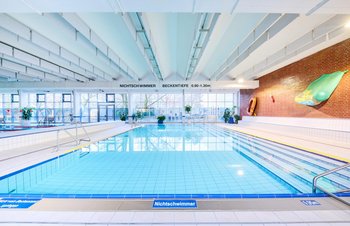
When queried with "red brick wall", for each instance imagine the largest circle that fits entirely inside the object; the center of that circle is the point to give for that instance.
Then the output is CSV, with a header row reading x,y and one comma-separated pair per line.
x,y
285,83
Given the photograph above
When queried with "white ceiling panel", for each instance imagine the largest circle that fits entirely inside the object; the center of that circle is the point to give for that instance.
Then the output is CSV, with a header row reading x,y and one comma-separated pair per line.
x,y
229,40
105,40
226,6
156,6
54,27
112,30
178,6
172,35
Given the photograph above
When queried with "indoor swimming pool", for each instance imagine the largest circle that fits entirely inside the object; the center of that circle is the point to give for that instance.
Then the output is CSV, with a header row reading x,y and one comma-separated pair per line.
x,y
178,160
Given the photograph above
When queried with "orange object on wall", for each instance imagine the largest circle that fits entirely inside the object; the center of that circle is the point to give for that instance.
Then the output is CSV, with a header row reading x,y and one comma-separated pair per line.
x,y
251,106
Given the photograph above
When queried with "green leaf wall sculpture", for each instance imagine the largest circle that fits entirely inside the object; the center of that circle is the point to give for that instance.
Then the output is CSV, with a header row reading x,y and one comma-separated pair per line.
x,y
320,89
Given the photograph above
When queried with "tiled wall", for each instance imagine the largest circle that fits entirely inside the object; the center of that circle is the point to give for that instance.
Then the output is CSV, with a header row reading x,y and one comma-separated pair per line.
x,y
284,84
30,139
322,129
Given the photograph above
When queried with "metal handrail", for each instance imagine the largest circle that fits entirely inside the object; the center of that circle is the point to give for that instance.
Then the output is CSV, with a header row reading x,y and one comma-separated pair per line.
x,y
315,187
74,137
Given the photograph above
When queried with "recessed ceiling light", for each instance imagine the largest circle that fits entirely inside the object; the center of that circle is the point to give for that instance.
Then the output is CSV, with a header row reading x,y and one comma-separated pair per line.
x,y
347,25
241,80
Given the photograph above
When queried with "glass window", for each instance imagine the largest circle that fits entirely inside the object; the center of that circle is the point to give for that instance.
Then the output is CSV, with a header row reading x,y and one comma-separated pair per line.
x,y
101,97
67,97
110,98
49,97
212,97
40,98
14,98
220,97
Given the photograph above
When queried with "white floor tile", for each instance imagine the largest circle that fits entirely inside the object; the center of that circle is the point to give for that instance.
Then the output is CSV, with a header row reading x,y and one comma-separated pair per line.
x,y
298,224
331,215
163,217
122,217
101,217
247,217
59,217
275,224
143,217
308,216
207,224
184,217
205,217
287,216
82,217
226,217
340,224
266,216
319,224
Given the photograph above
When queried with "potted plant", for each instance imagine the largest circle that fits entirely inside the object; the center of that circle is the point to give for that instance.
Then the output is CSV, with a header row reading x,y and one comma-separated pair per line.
x,y
26,116
138,114
237,117
227,115
160,119
188,109
122,116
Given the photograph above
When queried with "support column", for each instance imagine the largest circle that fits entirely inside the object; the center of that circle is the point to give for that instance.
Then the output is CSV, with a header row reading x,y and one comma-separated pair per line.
x,y
76,104
129,104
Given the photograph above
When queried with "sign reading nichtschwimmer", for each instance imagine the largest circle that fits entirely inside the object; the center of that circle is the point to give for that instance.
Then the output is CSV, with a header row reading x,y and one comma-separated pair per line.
x,y
164,204
9,203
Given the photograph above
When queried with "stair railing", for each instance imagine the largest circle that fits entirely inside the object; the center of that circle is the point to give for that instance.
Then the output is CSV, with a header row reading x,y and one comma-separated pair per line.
x,y
332,194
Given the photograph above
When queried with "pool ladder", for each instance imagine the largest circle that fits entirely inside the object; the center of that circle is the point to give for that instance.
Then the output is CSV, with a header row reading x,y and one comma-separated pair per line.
x,y
75,138
315,187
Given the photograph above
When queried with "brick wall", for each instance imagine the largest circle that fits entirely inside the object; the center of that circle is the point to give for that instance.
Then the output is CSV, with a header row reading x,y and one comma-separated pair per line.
x,y
285,83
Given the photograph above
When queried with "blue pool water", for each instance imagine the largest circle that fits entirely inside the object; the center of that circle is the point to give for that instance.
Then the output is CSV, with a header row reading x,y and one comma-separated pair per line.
x,y
177,159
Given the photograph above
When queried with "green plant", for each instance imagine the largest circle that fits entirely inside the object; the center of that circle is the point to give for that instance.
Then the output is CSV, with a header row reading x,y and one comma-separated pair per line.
x,y
227,115
160,118
188,108
26,113
138,114
237,117
122,116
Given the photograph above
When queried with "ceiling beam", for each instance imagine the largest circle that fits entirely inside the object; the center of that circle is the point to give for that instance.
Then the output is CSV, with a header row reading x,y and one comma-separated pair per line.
x,y
101,47
23,38
14,70
268,27
234,7
29,60
323,33
205,28
316,7
142,38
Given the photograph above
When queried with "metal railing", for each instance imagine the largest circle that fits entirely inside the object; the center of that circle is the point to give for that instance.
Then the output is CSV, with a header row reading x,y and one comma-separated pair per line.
x,y
75,138
332,194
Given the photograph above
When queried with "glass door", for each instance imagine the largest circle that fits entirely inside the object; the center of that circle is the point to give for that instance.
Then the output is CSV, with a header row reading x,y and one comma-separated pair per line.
x,y
110,110
106,112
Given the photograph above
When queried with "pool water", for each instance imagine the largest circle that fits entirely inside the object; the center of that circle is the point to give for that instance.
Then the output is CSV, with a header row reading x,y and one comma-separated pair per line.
x,y
177,159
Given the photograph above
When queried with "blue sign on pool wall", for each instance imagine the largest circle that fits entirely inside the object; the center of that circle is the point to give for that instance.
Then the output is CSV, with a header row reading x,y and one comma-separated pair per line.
x,y
9,203
174,204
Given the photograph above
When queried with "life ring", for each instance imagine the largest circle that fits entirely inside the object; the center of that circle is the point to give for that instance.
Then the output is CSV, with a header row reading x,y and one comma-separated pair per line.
x,y
252,106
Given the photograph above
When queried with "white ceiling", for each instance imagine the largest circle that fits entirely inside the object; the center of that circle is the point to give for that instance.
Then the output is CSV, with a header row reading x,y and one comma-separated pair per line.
x,y
82,40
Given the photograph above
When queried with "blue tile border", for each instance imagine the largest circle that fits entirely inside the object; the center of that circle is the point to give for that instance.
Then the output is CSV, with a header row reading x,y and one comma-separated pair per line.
x,y
171,196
